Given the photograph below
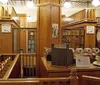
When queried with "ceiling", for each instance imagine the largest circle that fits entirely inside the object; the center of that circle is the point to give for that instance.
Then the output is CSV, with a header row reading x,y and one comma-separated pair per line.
x,y
23,2
77,5
20,2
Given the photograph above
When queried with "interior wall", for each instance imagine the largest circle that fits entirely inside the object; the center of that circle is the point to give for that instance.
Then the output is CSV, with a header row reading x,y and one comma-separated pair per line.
x,y
6,42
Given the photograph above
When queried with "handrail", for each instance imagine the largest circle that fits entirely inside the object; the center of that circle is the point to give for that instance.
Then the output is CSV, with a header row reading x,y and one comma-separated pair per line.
x,y
7,74
36,81
28,54
92,78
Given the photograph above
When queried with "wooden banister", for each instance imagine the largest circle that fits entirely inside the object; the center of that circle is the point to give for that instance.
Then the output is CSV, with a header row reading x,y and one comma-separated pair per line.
x,y
11,66
28,63
36,81
90,80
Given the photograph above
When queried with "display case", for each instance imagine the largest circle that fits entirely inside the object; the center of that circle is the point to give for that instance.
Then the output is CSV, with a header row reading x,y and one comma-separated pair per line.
x,y
75,37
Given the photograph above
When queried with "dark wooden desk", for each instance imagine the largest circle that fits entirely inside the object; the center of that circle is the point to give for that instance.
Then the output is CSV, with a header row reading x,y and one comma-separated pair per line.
x,y
47,70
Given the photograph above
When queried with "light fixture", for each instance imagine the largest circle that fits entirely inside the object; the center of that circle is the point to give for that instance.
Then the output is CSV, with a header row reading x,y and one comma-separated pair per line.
x,y
4,1
96,2
30,4
67,4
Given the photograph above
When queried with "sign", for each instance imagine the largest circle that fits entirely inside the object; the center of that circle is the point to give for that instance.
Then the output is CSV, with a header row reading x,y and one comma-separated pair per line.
x,y
82,61
55,30
5,28
90,30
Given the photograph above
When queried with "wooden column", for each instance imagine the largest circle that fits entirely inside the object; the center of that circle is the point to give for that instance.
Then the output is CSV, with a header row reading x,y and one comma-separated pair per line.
x,y
49,12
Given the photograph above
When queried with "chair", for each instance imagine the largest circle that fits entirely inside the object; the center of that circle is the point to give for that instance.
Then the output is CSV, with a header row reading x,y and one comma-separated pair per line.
x,y
72,49
88,50
79,50
95,50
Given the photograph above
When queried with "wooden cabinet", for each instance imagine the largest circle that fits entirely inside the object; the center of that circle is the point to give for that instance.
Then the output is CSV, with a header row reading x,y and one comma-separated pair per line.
x,y
75,37
31,41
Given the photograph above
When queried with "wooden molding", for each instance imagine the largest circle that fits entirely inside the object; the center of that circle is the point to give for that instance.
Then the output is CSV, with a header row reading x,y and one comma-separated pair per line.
x,y
48,4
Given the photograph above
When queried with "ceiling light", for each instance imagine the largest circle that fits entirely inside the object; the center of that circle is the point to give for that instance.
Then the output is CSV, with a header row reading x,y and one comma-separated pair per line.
x,y
30,4
96,2
3,1
67,4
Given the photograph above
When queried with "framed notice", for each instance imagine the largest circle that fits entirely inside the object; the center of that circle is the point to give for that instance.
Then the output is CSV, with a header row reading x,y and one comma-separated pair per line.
x,y
55,30
6,28
90,30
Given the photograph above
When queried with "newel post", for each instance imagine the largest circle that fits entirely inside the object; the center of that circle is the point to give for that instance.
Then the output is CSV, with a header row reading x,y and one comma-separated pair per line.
x,y
73,77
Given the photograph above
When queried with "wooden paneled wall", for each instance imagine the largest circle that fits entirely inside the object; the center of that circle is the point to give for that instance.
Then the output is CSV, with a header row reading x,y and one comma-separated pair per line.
x,y
90,39
16,40
23,40
6,42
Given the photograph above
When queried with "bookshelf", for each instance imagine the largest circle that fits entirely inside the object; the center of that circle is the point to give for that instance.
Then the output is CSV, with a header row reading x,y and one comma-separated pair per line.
x,y
75,37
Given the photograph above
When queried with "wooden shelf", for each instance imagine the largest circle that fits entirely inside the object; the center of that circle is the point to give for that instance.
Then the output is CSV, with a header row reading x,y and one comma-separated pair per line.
x,y
75,37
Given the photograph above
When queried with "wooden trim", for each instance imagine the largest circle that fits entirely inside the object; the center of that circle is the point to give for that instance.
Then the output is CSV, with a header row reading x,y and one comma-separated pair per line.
x,y
10,21
50,4
91,78
78,22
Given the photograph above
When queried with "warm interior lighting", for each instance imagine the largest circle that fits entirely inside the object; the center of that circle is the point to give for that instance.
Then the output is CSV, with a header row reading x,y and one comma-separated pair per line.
x,y
3,1
96,2
30,4
67,4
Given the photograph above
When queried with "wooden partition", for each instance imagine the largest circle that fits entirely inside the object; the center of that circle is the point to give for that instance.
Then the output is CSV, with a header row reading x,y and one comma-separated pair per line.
x,y
90,80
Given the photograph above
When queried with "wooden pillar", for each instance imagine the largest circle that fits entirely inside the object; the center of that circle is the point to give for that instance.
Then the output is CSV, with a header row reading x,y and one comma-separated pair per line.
x,y
49,13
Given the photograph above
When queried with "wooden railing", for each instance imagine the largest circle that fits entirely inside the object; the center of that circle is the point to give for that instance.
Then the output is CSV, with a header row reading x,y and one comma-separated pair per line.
x,y
14,15
28,64
9,13
36,81
71,80
10,66
90,80
4,13
86,15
